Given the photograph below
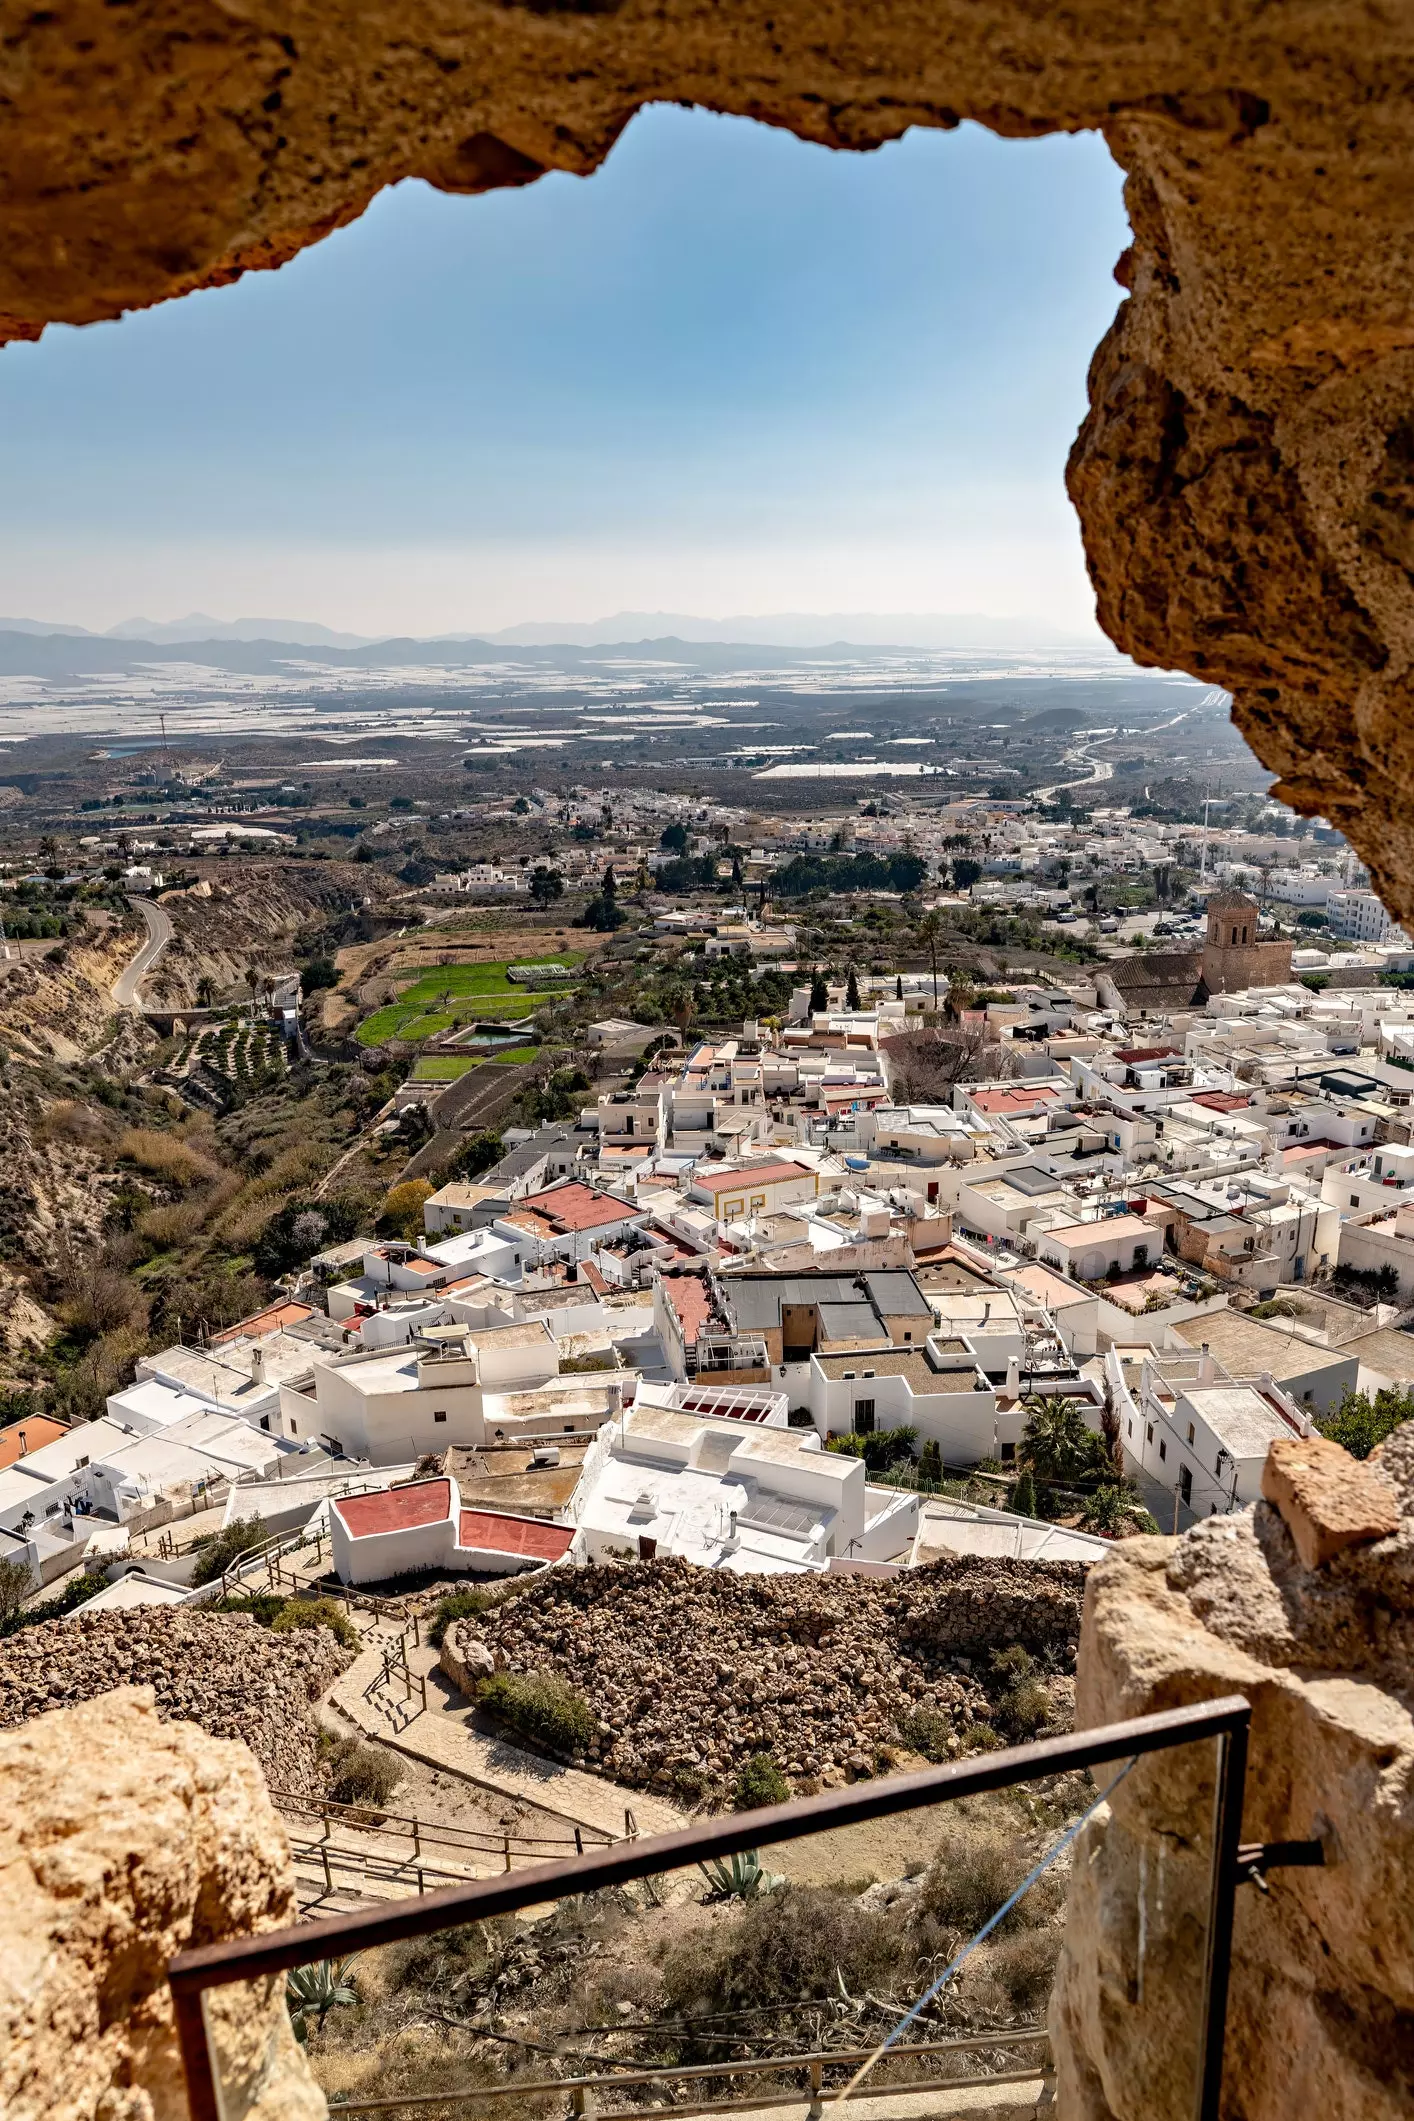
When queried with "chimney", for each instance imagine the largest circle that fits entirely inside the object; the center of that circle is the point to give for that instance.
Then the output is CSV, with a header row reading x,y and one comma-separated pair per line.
x,y
257,1366
1206,1365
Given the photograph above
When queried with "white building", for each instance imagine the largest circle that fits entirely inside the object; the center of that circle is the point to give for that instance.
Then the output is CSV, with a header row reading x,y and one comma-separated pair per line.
x,y
939,1389
730,1493
421,1527
1090,1251
1195,1438
400,1404
1358,917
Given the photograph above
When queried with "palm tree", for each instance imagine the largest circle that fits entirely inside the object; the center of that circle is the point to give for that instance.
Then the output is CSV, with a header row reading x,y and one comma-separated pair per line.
x,y
930,933
253,979
206,990
1056,1443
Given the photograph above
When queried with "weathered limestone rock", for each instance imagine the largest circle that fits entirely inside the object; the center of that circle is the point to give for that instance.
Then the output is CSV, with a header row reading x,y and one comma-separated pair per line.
x,y
465,1658
124,1840
1321,2020
1327,1500
1245,477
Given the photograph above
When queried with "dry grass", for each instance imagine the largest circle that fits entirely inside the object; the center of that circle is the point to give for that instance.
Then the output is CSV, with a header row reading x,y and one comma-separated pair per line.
x,y
168,1157
68,1121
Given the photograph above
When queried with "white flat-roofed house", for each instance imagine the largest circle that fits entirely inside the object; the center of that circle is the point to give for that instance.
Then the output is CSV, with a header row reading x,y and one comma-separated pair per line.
x,y
938,1389
453,1207
1089,1251
399,1405
389,1270
722,1494
1196,1438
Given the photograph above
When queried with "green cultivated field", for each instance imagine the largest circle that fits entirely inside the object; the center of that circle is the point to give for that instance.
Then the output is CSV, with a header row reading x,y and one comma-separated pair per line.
x,y
456,994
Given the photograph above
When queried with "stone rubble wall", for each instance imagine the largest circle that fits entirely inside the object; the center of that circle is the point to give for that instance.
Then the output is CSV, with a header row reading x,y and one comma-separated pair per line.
x,y
1321,2018
691,1672
124,1839
224,1671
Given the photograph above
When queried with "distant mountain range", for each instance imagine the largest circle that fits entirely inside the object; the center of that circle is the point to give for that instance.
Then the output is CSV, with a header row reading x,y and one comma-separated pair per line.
x,y
781,629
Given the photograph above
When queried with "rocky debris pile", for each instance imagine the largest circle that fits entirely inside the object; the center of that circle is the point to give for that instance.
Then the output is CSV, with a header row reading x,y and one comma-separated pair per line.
x,y
690,1673
219,1670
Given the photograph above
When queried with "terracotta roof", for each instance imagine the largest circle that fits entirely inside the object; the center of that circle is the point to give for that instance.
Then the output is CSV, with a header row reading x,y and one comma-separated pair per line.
x,y
396,1509
29,1434
573,1206
744,1177
1220,1100
691,1301
1004,1101
272,1320
514,1535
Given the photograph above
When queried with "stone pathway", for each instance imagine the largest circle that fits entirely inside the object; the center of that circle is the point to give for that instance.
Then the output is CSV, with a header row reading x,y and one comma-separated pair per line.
x,y
442,1736
1033,2099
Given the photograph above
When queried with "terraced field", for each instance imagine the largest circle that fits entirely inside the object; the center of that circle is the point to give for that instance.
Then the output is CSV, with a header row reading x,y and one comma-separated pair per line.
x,y
457,994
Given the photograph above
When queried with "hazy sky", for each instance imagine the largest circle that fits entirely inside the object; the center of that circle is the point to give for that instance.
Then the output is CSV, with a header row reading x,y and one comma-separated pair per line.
x,y
729,373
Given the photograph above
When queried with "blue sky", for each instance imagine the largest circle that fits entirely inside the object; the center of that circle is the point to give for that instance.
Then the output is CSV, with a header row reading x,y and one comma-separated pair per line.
x,y
728,373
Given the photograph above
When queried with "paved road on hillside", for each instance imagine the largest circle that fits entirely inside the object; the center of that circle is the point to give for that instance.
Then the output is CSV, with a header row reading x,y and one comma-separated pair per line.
x,y
159,934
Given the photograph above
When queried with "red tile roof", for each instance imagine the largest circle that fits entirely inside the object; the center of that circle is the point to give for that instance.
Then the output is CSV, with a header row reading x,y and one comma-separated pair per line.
x,y
578,1207
744,1177
396,1509
691,1300
514,1535
1220,1100
271,1320
30,1434
1013,1100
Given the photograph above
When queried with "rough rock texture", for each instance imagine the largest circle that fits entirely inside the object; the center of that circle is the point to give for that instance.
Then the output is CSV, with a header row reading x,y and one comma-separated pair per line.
x,y
1245,477
224,1671
1326,1499
1321,2019
465,1658
691,1673
124,1840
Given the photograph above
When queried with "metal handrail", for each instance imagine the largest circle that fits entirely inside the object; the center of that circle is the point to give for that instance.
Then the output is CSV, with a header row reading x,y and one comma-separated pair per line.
x,y
816,2060
1227,1721
419,1830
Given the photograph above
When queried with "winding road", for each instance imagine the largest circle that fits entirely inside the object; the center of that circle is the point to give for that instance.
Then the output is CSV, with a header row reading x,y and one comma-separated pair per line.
x,y
159,934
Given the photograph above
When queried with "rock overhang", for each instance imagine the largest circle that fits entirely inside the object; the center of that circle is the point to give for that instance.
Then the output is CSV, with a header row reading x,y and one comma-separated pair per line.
x,y
1245,474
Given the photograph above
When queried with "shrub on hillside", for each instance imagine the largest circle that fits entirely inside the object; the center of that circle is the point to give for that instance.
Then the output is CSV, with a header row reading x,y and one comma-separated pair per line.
x,y
927,1731
760,1782
1023,1705
317,1613
401,1214
358,1773
457,1605
978,1864
541,1708
218,1550
804,1941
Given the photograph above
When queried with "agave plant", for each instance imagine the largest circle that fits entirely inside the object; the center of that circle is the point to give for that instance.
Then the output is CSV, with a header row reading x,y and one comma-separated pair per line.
x,y
311,1992
740,1877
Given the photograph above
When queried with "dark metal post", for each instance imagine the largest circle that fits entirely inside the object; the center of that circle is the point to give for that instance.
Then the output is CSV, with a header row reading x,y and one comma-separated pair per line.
x,y
1217,1971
